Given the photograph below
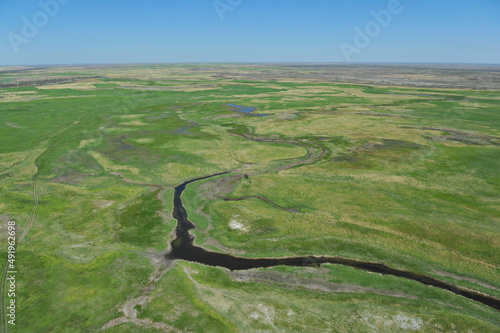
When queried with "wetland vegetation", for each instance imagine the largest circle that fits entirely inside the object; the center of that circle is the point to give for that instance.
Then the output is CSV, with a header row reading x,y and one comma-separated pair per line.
x,y
348,175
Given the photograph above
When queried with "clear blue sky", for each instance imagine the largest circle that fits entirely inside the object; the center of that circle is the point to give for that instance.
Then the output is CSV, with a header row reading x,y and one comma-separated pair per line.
x,y
124,31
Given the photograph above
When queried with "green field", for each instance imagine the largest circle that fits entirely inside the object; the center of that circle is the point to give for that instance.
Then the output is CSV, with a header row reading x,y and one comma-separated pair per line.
x,y
407,177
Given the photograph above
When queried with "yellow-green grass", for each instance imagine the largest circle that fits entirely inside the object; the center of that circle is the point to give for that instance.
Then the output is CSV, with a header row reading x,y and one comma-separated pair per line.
x,y
194,297
406,180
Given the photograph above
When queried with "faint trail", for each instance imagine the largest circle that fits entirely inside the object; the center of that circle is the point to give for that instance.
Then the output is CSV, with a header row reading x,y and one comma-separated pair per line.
x,y
44,143
129,307
31,220
32,214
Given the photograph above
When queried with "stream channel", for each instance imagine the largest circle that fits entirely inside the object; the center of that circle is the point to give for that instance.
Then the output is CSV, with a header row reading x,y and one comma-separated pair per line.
x,y
183,248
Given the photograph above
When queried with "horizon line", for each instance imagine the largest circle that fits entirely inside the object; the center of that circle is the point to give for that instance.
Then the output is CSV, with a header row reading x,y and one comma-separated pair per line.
x,y
254,63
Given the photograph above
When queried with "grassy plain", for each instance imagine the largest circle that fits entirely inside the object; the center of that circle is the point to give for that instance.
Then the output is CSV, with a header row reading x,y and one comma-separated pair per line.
x,y
403,176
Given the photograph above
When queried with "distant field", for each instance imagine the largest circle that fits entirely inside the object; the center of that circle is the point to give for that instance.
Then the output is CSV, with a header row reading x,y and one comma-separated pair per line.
x,y
405,176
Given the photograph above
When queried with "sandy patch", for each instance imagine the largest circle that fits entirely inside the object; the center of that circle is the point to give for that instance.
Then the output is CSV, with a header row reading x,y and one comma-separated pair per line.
x,y
237,225
399,321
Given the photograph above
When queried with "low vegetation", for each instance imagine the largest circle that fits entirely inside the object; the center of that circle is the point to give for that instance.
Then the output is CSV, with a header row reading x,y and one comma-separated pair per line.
x,y
404,176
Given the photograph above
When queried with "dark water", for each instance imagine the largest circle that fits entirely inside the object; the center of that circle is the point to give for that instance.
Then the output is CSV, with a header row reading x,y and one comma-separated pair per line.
x,y
183,248
247,110
244,109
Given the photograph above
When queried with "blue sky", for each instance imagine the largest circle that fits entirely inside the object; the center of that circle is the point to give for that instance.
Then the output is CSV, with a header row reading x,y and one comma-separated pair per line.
x,y
123,31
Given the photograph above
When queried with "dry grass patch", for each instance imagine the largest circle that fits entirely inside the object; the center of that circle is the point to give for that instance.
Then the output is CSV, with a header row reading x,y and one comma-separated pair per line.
x,y
80,85
110,166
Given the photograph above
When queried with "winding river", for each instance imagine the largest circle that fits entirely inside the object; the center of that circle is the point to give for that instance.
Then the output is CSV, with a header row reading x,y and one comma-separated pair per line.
x,y
184,248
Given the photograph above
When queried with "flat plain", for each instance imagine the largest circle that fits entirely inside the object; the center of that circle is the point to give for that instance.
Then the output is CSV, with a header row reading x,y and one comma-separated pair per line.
x,y
395,165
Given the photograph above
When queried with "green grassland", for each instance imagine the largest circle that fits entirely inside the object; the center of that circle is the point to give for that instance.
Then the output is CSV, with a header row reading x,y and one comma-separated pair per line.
x,y
403,176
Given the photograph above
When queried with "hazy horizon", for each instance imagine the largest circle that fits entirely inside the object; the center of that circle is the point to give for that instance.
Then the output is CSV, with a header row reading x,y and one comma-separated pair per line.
x,y
68,32
253,63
